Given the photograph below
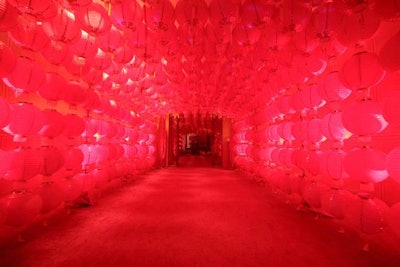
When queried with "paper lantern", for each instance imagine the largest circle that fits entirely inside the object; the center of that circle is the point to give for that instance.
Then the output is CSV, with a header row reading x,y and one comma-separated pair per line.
x,y
74,126
54,87
393,218
126,14
30,37
361,71
62,28
388,56
52,195
366,165
244,35
334,203
90,154
53,160
123,54
327,19
111,41
160,16
331,88
73,159
37,8
312,193
393,164
364,118
295,15
191,13
332,164
22,208
93,19
8,18
72,189
4,112
53,124
332,127
8,60
312,130
257,13
314,163
56,52
28,75
25,119
85,47
77,65
391,111
387,10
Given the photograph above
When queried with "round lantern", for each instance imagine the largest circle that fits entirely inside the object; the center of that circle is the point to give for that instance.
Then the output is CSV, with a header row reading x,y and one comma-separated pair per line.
x,y
191,13
4,112
314,163
366,165
312,130
312,193
256,13
332,127
388,56
331,88
93,19
8,18
77,65
92,101
332,164
334,203
393,164
73,159
361,71
38,8
85,47
8,60
25,119
72,189
74,93
244,35
103,154
53,88
387,10
160,16
62,28
74,126
123,54
90,154
391,110
22,208
28,75
364,118
285,131
33,163
52,195
30,37
56,52
53,124
393,218
53,160
111,41
126,14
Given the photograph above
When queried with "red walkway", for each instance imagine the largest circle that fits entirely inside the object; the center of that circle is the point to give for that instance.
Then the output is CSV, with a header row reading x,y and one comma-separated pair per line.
x,y
191,217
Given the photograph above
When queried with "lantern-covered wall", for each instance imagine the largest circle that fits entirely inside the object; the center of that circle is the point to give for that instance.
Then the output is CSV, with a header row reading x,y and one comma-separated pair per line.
x,y
311,88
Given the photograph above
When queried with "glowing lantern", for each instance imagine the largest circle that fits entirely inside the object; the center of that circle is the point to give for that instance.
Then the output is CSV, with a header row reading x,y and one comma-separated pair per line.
x,y
73,159
364,118
4,112
388,56
53,124
312,193
295,15
85,48
74,93
103,154
393,164
62,28
29,36
366,165
332,164
53,88
8,60
38,8
28,75
123,54
25,119
160,16
361,71
56,52
332,127
94,19
111,41
52,195
53,160
314,163
327,19
191,13
74,125
331,88
310,97
126,14
90,154
22,208
76,65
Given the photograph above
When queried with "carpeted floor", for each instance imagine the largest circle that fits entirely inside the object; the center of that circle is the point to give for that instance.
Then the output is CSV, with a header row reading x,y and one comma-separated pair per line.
x,y
191,216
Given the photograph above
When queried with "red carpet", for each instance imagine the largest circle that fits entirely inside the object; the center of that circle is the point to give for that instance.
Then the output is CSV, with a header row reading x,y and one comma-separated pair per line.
x,y
191,217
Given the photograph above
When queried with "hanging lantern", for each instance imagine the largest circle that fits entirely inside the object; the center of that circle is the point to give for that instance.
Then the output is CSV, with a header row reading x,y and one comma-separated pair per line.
x,y
62,28
25,119
366,165
160,16
74,126
392,163
8,60
29,36
73,189
111,41
28,75
90,155
361,71
124,54
310,97
56,52
41,9
364,118
393,218
388,56
331,88
191,13
4,112
53,160
53,88
93,19
295,15
22,208
335,202
73,159
312,193
126,14
8,18
245,35
75,92
332,127
52,195
85,47
53,124
332,164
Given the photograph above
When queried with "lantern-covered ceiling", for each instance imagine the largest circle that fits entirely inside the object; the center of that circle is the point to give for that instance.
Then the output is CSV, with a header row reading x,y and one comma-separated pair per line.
x,y
226,57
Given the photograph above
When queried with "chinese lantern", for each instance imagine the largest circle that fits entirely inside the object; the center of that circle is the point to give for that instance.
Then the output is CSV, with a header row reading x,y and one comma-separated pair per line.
x,y
331,88
8,60
332,164
25,119
53,160
93,19
126,14
73,159
56,52
392,163
191,13
52,195
30,37
4,112
22,208
74,126
332,128
366,165
62,28
388,56
160,16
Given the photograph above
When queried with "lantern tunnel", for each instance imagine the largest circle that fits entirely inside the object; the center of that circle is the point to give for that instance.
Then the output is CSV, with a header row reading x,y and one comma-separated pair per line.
x,y
199,133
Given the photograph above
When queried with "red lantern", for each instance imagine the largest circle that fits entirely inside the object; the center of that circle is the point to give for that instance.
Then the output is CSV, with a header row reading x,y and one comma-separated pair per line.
x,y
93,19
124,54
111,41
388,10
53,88
191,13
85,47
295,15
74,93
28,75
4,112
331,88
332,127
160,16
52,195
25,119
313,192
53,124
74,126
62,28
29,36
364,118
73,189
22,208
361,71
73,159
257,13
8,60
335,202
90,154
53,160
126,14
393,218
38,8
393,164
8,18
388,55
366,165
310,97
332,164
245,35
56,52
